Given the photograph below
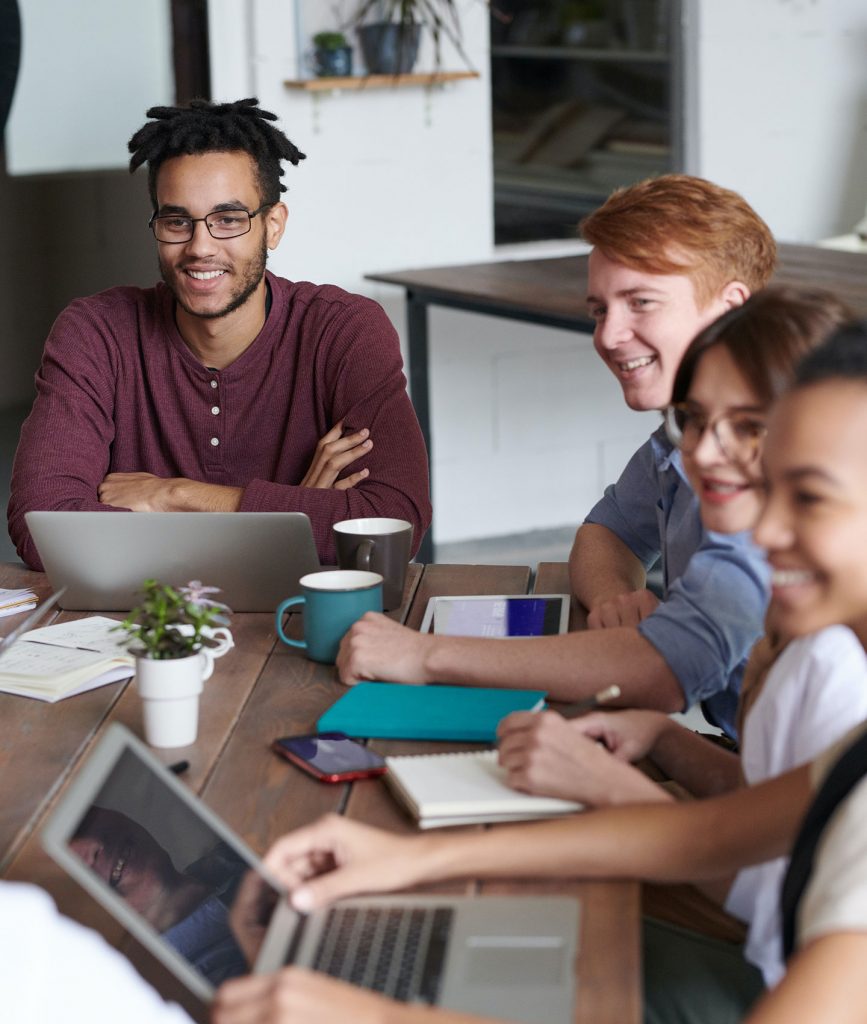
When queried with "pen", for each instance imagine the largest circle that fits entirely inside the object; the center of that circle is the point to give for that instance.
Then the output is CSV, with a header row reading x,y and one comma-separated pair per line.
x,y
581,707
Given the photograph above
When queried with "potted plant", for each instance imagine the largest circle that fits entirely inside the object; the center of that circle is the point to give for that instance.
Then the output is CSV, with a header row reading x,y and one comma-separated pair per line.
x,y
175,635
332,55
390,30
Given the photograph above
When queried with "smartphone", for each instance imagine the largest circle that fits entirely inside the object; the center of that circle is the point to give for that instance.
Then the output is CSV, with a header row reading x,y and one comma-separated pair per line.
x,y
330,756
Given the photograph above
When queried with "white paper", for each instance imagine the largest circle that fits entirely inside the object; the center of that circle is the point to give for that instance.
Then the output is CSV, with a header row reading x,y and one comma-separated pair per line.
x,y
95,633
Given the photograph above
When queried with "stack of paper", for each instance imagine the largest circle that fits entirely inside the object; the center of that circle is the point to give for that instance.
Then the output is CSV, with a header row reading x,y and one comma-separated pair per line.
x,y
464,789
68,658
14,601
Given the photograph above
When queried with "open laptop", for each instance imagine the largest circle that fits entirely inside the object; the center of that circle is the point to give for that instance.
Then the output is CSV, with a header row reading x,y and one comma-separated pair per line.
x,y
102,558
168,869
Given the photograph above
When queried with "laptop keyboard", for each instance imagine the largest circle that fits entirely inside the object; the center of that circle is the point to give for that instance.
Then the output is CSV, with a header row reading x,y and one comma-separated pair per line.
x,y
394,950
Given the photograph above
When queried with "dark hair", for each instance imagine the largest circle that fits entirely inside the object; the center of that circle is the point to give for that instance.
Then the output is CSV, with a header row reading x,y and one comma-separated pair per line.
x,y
680,224
766,337
843,355
204,127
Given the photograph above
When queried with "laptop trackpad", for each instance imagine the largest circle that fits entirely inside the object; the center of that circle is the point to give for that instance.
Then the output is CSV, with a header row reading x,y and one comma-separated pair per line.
x,y
514,961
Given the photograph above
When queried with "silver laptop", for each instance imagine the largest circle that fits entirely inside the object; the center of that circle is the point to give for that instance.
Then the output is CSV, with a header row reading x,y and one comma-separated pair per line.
x,y
186,886
102,558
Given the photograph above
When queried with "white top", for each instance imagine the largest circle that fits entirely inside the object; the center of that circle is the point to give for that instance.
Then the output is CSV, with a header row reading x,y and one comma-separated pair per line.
x,y
835,898
815,692
53,969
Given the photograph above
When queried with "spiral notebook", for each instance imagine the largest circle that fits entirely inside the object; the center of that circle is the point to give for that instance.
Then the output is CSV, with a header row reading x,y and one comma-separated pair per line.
x,y
464,789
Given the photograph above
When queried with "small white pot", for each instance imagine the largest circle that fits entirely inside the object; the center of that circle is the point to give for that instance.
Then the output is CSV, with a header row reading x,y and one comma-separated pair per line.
x,y
170,690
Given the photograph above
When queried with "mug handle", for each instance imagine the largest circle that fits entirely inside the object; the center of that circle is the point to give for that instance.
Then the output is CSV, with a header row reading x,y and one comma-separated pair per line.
x,y
364,553
281,610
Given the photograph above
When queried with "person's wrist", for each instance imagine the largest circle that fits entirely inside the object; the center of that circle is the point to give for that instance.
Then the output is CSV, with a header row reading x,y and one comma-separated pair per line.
x,y
178,495
434,859
433,661
627,784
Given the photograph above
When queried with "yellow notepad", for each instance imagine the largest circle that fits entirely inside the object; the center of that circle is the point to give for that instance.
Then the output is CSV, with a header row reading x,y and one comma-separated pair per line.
x,y
464,789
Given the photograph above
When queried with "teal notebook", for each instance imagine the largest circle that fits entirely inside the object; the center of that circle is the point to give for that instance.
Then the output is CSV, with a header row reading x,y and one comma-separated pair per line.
x,y
393,711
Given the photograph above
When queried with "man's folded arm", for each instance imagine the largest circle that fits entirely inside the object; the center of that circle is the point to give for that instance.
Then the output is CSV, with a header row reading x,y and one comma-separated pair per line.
x,y
365,387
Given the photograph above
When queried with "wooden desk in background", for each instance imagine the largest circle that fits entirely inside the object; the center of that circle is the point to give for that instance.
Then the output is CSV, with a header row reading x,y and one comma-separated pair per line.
x,y
261,690
552,292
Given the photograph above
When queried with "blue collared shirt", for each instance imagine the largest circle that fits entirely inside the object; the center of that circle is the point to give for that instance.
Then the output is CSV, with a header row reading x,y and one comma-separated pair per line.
x,y
716,585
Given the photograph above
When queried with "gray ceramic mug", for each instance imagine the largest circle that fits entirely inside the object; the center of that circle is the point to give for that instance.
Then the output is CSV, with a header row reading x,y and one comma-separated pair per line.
x,y
377,545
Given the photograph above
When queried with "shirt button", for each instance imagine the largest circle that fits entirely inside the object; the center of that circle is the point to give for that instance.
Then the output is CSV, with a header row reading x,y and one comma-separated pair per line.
x,y
214,442
213,384
215,409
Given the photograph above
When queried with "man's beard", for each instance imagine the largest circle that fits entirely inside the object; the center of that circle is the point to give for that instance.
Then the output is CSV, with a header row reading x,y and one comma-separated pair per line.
x,y
253,274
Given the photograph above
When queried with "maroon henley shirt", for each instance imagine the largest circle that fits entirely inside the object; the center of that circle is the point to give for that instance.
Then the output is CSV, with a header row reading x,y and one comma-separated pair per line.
x,y
119,391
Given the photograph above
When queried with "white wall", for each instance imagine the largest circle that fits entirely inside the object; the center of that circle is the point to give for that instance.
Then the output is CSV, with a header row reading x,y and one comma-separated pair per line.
x,y
393,177
88,71
527,424
781,109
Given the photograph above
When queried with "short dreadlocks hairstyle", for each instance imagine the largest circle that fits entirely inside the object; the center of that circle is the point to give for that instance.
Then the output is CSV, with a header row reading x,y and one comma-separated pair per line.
x,y
204,127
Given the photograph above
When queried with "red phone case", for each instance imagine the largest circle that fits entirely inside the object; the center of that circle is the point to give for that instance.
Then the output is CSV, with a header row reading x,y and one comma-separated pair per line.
x,y
306,766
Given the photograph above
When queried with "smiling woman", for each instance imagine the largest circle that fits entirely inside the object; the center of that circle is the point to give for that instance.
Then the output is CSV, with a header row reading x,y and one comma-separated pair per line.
x,y
815,520
726,383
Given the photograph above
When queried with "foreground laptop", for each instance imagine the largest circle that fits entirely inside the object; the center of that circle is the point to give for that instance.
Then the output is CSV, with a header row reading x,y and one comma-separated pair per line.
x,y
102,558
185,885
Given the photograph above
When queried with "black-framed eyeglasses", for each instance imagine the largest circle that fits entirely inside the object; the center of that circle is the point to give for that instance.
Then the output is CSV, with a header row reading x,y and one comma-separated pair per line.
x,y
175,228
738,435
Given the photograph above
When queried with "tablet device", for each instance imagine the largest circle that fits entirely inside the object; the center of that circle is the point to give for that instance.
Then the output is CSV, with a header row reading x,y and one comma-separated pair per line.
x,y
500,615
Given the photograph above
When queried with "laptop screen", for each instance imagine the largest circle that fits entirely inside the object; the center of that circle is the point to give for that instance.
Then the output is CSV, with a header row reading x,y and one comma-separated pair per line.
x,y
145,843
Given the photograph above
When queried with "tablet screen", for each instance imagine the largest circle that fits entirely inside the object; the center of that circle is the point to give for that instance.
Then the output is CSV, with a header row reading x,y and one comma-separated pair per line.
x,y
500,616
173,870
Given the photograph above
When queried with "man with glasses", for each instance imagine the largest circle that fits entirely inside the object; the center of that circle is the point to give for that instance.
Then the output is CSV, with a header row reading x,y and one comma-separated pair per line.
x,y
670,255
225,388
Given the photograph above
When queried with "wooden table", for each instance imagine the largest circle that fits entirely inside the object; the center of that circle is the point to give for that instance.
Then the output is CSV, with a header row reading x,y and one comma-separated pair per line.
x,y
260,690
552,292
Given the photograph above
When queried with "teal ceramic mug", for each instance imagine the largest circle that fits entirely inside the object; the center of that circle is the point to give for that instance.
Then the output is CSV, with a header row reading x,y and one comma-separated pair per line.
x,y
332,601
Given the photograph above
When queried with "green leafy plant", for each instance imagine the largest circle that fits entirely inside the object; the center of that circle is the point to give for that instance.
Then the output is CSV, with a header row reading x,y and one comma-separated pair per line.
x,y
440,16
173,622
330,41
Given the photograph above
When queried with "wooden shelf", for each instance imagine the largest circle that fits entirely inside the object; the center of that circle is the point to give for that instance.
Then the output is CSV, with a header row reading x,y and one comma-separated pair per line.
x,y
359,82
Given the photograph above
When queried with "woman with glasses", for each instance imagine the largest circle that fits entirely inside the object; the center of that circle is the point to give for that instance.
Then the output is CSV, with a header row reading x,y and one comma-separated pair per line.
x,y
797,698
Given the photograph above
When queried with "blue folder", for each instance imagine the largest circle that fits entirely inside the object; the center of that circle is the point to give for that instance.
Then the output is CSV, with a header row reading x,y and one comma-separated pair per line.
x,y
394,711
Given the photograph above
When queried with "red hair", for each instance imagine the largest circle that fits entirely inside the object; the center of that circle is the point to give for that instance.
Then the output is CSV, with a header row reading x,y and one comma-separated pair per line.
x,y
678,224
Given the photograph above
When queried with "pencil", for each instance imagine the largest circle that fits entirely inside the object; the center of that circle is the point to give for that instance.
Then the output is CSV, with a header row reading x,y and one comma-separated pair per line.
x,y
581,707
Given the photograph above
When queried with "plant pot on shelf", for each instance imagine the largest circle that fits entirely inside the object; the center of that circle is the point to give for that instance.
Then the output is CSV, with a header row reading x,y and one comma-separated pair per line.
x,y
170,690
331,61
389,48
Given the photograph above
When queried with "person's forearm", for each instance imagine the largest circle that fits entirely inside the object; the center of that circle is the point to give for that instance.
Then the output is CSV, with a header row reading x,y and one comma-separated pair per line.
x,y
195,496
694,762
601,566
569,667
674,842
824,982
